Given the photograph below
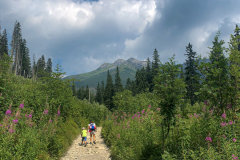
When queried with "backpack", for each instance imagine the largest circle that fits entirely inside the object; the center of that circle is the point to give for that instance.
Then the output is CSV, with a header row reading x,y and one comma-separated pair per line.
x,y
92,127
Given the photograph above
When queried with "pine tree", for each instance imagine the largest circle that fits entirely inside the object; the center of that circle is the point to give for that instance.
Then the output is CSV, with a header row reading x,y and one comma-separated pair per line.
x,y
79,93
41,67
15,45
49,66
109,92
25,60
128,85
102,92
192,77
118,83
142,81
234,58
155,64
98,97
3,43
87,93
216,87
155,67
182,73
74,89
83,93
134,88
149,75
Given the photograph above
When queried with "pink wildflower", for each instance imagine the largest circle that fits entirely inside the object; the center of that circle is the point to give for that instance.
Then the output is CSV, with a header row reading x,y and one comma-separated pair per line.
x,y
45,112
149,106
208,139
119,135
21,106
234,139
8,112
142,111
15,121
190,116
59,113
230,122
224,115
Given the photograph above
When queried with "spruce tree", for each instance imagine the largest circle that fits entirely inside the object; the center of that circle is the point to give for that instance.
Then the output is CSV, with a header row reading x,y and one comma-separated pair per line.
x,y
182,73
149,78
155,64
102,92
83,93
134,88
87,93
215,86
155,67
98,97
79,93
118,83
4,43
128,85
74,89
41,67
234,68
191,75
25,60
109,92
15,47
142,81
49,66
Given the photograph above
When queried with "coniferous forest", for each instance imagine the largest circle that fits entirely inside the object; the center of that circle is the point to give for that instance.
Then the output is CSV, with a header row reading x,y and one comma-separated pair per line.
x,y
167,112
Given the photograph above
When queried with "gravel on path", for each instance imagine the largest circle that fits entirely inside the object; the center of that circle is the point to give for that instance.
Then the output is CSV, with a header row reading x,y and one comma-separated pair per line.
x,y
98,151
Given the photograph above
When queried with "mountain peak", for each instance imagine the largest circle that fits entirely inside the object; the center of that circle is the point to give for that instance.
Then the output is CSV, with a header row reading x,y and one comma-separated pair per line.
x,y
119,61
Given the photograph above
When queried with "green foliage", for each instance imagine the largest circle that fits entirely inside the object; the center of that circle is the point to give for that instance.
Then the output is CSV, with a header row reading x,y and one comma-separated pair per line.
x,y
139,135
234,58
168,88
55,121
191,75
215,84
125,102
118,83
109,92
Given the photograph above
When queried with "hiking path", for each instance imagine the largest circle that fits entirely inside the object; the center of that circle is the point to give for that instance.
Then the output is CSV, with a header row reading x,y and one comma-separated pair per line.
x,y
98,151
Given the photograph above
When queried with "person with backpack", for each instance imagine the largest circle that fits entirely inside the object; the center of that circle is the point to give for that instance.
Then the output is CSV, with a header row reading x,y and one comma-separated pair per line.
x,y
91,129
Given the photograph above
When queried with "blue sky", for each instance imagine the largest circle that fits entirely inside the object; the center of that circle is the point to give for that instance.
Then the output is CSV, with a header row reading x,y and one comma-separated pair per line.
x,y
82,34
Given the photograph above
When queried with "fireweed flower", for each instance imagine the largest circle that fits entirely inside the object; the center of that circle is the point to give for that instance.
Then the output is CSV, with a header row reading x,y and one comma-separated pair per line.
x,y
179,115
50,120
139,115
206,102
119,135
190,116
149,106
223,124
234,139
45,112
8,112
132,117
224,115
234,157
59,113
204,109
230,122
142,111
15,121
208,139
21,106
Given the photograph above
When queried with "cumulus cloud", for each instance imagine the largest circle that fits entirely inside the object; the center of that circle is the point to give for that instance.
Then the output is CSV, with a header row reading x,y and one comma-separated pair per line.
x,y
84,34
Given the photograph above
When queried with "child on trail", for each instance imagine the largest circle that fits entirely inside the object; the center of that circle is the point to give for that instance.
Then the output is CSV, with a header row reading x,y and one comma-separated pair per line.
x,y
91,128
84,136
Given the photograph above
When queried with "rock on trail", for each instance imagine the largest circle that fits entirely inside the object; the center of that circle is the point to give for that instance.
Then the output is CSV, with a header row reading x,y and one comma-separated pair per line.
x,y
98,151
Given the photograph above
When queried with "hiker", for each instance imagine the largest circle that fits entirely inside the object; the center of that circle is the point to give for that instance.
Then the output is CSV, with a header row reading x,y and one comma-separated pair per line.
x,y
84,136
92,128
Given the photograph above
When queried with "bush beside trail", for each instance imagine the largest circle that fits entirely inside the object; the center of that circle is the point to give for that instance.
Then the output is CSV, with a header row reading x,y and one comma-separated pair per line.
x,y
40,119
199,134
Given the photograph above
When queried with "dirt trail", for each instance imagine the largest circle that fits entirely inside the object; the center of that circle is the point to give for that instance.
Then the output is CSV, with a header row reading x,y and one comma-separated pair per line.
x,y
98,151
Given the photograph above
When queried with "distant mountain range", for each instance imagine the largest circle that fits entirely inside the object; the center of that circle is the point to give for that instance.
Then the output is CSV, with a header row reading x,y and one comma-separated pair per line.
x,y
127,68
